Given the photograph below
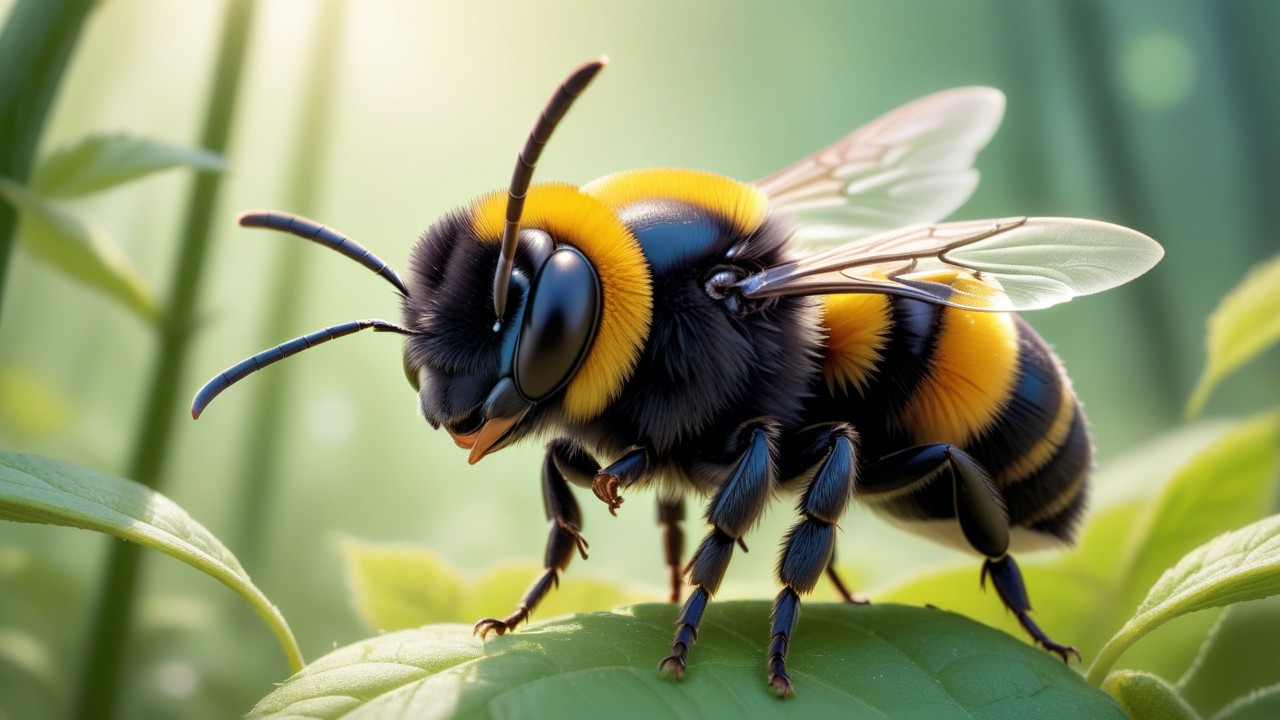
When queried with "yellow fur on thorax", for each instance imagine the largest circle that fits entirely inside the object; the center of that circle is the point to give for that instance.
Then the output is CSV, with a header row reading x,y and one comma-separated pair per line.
x,y
971,376
743,205
857,328
576,219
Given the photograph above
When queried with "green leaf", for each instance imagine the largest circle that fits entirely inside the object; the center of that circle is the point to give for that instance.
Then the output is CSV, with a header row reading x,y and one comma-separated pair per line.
x,y
1246,322
1147,697
1225,486
1236,657
398,586
1261,704
1233,567
35,489
60,238
99,162
846,661
495,594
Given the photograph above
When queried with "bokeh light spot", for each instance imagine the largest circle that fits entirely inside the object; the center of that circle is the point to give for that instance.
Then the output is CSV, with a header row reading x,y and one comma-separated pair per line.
x,y
176,679
1158,70
331,418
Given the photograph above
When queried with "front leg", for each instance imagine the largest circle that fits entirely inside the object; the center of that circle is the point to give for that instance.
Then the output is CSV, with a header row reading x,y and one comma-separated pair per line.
x,y
738,503
563,460
622,473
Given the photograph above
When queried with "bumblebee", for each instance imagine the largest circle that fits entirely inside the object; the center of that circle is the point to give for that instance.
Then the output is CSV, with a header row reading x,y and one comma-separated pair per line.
x,y
667,328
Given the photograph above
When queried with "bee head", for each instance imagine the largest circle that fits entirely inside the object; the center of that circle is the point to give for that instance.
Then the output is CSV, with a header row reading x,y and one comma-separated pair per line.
x,y
499,319
492,345
488,380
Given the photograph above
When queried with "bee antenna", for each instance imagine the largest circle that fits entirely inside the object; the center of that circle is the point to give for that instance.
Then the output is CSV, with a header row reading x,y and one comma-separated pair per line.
x,y
248,366
523,173
328,237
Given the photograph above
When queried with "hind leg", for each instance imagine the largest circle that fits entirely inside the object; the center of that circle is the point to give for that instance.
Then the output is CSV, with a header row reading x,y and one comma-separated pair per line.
x,y
737,505
841,588
670,515
1007,578
942,481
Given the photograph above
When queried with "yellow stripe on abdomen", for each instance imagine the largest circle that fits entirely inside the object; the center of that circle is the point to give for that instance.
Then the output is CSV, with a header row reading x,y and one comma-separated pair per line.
x,y
970,378
857,328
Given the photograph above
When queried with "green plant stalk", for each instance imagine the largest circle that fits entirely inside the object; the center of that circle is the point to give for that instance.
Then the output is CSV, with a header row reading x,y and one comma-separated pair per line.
x,y
112,622
1243,34
263,431
1013,21
1093,58
35,48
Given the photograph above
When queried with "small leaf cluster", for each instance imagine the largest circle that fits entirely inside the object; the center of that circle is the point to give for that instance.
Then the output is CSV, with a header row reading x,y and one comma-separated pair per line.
x,y
52,231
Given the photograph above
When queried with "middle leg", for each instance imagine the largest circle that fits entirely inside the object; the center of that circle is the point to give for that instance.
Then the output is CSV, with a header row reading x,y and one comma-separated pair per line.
x,y
801,453
809,547
738,503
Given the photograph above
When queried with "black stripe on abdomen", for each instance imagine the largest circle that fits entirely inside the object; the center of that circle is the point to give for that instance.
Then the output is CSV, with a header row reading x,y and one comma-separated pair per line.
x,y
1051,499
1023,434
913,337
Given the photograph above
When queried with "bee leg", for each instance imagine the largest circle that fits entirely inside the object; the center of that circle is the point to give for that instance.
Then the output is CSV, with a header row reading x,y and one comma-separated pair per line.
x,y
841,588
623,472
802,451
670,515
1007,578
565,536
943,480
737,505
978,507
810,545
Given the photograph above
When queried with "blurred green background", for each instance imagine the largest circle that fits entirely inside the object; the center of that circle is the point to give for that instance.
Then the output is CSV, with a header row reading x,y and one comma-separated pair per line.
x,y
1160,115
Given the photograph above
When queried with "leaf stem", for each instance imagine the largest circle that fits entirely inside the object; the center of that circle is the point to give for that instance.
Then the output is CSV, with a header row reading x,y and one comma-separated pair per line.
x,y
1115,647
35,48
112,622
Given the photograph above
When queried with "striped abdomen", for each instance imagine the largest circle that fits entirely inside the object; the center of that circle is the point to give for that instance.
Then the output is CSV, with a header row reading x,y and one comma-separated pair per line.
x,y
911,373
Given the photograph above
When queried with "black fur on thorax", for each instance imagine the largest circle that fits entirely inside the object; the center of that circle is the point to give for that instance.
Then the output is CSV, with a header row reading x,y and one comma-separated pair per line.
x,y
704,370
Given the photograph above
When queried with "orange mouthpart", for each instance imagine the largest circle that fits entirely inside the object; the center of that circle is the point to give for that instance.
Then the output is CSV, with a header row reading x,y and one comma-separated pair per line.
x,y
466,442
482,441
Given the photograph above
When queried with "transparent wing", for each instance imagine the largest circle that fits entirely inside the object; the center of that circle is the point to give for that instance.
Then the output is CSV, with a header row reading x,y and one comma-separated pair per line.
x,y
998,265
912,165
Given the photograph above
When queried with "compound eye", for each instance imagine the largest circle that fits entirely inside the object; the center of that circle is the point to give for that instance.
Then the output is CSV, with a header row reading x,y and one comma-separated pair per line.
x,y
560,322
411,373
